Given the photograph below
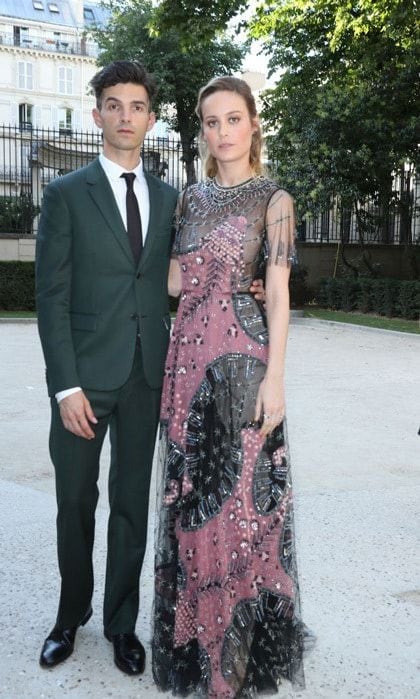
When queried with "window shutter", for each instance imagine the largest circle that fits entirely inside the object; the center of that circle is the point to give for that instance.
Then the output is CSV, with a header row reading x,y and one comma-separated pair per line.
x,y
61,80
38,115
21,74
77,120
46,120
14,114
69,77
55,118
29,76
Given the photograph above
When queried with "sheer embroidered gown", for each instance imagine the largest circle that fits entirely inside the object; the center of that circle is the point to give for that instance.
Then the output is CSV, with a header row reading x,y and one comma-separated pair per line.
x,y
226,612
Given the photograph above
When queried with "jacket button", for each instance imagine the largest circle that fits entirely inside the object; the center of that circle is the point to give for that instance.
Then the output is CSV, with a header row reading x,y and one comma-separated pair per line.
x,y
134,316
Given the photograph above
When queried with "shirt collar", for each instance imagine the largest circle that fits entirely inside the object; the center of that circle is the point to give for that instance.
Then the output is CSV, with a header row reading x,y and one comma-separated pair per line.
x,y
114,171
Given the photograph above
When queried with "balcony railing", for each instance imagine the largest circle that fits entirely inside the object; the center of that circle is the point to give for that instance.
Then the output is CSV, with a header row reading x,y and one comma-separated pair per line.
x,y
80,47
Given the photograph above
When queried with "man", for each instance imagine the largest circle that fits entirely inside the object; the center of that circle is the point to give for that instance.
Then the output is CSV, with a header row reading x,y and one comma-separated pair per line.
x,y
102,265
104,322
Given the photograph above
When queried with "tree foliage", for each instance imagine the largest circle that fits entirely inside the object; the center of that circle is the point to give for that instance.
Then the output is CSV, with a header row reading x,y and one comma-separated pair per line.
x,y
179,73
344,113
191,18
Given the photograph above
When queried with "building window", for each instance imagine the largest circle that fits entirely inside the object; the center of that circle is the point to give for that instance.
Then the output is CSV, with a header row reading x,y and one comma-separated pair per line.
x,y
25,117
53,7
38,5
65,80
65,119
88,14
21,36
25,76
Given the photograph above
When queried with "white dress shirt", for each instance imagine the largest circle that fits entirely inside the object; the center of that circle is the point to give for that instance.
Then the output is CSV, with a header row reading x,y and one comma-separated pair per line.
x,y
113,171
119,188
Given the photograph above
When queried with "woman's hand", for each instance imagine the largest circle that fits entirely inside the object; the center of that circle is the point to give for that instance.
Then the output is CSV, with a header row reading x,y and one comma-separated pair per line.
x,y
269,405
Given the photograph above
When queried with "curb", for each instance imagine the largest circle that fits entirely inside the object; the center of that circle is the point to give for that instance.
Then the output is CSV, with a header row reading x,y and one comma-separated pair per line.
x,y
296,318
17,321
353,326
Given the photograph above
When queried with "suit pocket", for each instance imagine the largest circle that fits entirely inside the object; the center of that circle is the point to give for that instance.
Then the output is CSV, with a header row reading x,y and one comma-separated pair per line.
x,y
84,321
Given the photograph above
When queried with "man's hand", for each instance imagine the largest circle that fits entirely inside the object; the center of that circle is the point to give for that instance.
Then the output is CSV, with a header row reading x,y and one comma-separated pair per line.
x,y
257,288
76,414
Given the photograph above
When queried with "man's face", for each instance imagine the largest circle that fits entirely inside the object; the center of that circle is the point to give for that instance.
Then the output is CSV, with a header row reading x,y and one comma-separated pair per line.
x,y
124,118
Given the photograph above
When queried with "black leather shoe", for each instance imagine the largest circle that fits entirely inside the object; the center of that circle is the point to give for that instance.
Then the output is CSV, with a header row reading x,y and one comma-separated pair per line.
x,y
129,654
58,646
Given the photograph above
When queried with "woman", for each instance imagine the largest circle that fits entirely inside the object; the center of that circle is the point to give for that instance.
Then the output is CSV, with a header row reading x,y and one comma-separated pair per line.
x,y
226,617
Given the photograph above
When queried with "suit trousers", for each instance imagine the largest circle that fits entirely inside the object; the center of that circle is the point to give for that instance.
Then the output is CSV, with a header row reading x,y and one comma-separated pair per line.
x,y
131,412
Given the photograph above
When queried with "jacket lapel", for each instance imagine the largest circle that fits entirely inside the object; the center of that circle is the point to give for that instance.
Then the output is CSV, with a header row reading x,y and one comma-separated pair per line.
x,y
102,194
155,199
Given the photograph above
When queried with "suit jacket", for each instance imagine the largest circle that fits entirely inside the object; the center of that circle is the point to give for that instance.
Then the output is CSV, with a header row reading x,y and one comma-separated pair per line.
x,y
91,297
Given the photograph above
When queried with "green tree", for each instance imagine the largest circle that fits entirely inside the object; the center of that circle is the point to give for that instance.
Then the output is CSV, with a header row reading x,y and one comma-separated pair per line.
x,y
179,72
343,116
200,17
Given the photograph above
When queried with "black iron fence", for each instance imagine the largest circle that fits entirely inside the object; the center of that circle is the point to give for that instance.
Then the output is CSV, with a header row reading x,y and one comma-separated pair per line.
x,y
394,222
31,157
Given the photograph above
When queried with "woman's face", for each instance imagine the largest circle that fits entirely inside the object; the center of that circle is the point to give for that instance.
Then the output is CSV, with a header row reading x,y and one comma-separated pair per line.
x,y
227,127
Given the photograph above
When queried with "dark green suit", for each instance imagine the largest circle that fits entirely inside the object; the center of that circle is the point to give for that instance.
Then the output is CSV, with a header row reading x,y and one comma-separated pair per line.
x,y
92,304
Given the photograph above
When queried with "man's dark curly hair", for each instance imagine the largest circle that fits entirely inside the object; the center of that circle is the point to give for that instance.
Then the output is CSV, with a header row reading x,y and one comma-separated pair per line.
x,y
122,72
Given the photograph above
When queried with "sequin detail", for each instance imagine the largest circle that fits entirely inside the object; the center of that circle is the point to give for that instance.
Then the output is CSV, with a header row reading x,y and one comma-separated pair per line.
x,y
226,613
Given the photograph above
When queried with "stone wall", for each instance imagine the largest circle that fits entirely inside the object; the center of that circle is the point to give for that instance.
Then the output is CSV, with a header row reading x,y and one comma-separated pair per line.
x,y
320,260
15,247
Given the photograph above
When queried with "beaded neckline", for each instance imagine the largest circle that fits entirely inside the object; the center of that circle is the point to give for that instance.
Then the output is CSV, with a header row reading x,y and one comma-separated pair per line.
x,y
233,186
221,196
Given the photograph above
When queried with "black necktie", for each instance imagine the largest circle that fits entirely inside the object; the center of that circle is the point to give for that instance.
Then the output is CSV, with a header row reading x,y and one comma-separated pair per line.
x,y
133,217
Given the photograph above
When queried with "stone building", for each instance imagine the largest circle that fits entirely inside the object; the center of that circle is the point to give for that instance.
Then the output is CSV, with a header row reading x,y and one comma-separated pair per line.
x,y
46,61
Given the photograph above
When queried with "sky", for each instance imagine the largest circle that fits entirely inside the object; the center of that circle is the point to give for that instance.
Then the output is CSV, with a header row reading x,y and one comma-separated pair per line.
x,y
255,61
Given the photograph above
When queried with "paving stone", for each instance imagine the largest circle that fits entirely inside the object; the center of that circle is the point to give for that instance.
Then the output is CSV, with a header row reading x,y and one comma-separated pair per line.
x,y
353,416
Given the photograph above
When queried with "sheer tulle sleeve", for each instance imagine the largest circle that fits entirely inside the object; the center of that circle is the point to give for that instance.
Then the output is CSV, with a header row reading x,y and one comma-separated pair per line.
x,y
178,214
280,229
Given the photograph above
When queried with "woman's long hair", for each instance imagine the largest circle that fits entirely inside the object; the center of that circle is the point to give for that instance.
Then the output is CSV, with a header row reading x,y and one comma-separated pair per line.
x,y
230,84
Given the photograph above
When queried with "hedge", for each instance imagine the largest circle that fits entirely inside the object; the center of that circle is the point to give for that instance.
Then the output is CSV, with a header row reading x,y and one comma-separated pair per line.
x,y
17,286
17,214
386,297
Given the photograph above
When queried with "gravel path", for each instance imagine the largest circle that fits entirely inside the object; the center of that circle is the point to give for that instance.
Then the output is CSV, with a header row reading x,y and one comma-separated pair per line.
x,y
353,414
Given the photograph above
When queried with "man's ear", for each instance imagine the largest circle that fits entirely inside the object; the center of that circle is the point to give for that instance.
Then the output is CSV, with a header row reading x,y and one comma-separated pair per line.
x,y
97,117
152,121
